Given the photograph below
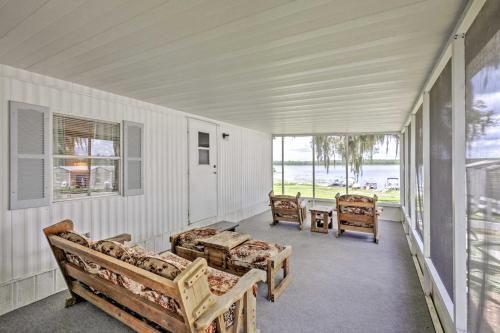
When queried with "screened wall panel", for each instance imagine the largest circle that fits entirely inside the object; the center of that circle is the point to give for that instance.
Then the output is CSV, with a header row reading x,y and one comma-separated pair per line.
x,y
374,166
298,165
482,56
441,209
402,171
330,166
419,172
410,159
278,164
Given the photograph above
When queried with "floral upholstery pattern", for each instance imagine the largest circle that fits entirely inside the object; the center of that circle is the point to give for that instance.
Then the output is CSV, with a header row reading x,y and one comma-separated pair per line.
x,y
356,210
76,238
190,239
285,204
254,254
354,198
166,264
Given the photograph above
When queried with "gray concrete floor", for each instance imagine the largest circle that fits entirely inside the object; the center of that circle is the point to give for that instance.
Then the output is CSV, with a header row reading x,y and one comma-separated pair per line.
x,y
346,284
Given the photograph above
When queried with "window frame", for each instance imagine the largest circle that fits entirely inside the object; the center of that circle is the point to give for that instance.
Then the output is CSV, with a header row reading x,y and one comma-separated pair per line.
x,y
118,158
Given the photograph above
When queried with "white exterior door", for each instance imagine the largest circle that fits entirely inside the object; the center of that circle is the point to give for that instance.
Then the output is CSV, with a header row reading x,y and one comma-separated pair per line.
x,y
202,145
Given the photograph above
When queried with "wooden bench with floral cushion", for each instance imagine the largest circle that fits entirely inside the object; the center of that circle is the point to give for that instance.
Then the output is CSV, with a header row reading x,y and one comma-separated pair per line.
x,y
239,258
153,292
357,213
288,208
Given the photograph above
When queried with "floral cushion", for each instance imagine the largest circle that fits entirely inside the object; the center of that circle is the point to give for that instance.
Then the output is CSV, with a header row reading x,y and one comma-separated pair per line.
x,y
254,254
355,198
346,209
190,239
76,238
356,210
166,264
285,204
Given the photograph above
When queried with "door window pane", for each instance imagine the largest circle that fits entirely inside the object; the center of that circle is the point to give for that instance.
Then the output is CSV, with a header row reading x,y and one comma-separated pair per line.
x,y
482,49
298,165
203,140
330,166
374,166
203,156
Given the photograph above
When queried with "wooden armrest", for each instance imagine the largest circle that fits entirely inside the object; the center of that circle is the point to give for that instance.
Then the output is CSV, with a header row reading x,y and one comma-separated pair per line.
x,y
121,238
278,259
222,303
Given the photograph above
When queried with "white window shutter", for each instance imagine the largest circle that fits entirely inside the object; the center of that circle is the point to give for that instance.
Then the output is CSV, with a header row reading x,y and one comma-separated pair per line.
x,y
133,156
29,155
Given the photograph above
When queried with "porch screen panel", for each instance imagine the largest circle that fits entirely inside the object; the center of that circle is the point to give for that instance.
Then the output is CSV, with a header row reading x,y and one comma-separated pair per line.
x,y
278,165
374,166
403,168
419,168
408,193
330,166
482,56
298,165
441,222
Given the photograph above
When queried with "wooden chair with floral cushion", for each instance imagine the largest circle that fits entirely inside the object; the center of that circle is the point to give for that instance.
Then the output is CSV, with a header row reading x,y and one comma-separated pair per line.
x,y
152,292
288,208
357,213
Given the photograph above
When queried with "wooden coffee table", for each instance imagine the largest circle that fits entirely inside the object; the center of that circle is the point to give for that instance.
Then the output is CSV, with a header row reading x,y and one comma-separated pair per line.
x,y
224,226
323,211
217,246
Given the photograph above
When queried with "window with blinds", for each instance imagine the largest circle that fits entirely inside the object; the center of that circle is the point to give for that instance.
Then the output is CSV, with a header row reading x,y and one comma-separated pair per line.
x,y
86,157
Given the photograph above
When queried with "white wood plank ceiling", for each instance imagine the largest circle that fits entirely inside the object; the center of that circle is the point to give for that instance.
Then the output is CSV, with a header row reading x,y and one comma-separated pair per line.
x,y
278,66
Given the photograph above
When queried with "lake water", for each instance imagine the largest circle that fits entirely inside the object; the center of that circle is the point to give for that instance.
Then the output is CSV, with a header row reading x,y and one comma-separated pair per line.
x,y
370,173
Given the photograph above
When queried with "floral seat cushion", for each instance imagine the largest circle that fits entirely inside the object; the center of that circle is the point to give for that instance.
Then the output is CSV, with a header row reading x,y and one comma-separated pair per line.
x,y
190,239
166,264
254,254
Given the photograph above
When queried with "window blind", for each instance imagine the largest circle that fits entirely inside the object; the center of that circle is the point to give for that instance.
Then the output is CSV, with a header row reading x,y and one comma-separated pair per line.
x,y
86,157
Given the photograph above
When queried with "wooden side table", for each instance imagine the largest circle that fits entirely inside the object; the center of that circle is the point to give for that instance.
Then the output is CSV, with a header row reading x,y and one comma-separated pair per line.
x,y
217,246
324,212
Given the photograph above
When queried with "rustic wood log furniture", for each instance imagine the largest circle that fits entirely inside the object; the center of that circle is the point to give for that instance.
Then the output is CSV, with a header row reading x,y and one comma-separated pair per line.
x,y
288,208
357,213
236,253
150,292
321,218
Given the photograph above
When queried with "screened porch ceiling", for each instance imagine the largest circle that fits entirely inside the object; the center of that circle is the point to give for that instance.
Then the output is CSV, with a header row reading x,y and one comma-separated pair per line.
x,y
278,66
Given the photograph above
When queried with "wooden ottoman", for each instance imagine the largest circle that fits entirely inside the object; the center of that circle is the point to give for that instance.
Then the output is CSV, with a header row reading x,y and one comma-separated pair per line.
x,y
237,253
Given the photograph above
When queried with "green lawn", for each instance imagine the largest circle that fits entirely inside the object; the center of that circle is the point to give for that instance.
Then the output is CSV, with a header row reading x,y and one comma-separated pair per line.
x,y
328,192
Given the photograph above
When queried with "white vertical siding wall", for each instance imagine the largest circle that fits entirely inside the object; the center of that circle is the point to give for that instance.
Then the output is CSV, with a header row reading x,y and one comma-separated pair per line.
x,y
27,270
